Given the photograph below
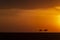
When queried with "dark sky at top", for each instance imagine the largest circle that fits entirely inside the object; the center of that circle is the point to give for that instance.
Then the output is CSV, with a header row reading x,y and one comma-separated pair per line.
x,y
28,4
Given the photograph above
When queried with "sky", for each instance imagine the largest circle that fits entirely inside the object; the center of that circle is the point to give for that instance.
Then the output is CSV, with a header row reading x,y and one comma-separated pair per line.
x,y
28,4
29,15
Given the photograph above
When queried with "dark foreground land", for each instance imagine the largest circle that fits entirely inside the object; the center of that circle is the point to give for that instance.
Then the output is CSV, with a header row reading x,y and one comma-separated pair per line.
x,y
33,36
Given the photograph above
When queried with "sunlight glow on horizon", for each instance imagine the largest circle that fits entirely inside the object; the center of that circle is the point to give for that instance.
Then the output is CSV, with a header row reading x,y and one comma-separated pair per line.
x,y
36,18
58,20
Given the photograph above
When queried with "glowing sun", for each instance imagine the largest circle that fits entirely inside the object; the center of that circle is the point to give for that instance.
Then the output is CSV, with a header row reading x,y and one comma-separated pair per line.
x,y
57,20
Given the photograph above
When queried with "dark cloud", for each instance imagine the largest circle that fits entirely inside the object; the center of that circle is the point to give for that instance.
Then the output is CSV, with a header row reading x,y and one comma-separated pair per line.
x,y
28,4
9,12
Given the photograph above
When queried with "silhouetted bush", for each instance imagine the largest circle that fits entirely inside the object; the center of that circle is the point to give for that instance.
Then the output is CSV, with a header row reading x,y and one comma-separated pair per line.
x,y
40,29
46,30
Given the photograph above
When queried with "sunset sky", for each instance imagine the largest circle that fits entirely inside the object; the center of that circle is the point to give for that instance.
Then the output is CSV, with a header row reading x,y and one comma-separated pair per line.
x,y
29,15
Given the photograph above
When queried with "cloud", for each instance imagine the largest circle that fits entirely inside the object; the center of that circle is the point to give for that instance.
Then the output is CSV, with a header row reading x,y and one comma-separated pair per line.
x,y
28,4
9,12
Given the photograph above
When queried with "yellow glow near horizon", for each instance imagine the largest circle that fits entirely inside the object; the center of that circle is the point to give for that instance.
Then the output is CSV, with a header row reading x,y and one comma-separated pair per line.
x,y
58,19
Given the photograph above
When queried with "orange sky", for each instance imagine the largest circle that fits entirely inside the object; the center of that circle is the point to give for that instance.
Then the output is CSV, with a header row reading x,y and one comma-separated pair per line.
x,y
29,15
30,20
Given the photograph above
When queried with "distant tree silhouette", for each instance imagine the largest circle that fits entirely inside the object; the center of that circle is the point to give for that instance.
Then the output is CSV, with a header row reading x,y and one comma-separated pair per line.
x,y
45,30
40,30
